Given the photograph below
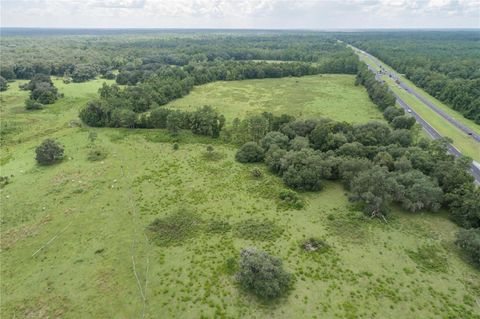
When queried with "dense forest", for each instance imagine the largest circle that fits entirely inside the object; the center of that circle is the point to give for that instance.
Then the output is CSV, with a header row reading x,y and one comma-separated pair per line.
x,y
85,57
445,64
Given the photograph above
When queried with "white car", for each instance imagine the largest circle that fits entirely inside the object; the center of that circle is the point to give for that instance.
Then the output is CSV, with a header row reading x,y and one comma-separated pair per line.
x,y
409,111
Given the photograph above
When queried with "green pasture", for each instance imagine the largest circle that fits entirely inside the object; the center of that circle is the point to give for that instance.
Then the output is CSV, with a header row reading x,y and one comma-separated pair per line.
x,y
327,95
75,243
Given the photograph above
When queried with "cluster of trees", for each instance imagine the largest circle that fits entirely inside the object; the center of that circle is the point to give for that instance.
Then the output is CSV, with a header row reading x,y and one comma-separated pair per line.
x,y
42,91
377,164
90,55
445,64
203,121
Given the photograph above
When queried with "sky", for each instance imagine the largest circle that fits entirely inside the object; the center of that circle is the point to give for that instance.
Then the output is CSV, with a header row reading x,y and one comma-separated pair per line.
x,y
251,14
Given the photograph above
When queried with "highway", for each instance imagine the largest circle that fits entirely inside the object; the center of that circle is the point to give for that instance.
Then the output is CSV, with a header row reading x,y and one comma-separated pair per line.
x,y
432,106
475,167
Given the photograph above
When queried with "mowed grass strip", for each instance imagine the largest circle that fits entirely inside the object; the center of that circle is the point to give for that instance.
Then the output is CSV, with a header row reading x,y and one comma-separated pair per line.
x,y
461,141
456,115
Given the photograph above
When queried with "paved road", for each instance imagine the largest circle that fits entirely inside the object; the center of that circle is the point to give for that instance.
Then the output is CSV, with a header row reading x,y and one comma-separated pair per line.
x,y
475,167
432,106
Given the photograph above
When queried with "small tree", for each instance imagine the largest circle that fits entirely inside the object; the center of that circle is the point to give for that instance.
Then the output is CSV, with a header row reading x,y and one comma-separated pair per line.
x,y
250,153
263,274
49,152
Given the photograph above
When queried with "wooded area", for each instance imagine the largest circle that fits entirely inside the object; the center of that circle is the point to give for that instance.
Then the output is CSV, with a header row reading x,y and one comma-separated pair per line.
x,y
445,64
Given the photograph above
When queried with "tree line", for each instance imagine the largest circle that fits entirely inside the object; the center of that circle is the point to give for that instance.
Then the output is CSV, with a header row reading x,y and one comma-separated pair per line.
x,y
445,64
82,58
123,107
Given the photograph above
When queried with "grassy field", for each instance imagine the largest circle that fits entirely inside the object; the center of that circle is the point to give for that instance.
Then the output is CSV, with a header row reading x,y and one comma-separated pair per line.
x,y
74,242
332,96
461,141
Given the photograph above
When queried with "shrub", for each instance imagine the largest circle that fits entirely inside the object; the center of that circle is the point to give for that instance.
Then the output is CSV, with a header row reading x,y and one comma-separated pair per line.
x,y
92,137
403,122
97,154
469,241
231,265
250,153
32,105
262,274
94,114
290,199
175,228
218,227
429,258
256,172
4,181
392,112
315,244
48,152
211,154
175,146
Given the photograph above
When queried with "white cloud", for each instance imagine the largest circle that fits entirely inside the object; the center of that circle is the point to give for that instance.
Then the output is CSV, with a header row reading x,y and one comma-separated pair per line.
x,y
242,13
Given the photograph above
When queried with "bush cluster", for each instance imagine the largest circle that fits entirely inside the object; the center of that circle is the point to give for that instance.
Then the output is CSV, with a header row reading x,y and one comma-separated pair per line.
x,y
175,228
42,91
262,274
49,152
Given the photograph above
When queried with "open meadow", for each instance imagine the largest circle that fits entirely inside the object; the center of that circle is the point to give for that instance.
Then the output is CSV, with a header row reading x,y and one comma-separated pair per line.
x,y
325,95
76,241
